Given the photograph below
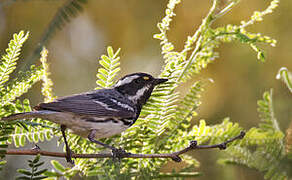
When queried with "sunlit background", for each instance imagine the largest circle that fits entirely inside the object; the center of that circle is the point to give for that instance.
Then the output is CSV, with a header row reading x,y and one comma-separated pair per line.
x,y
239,78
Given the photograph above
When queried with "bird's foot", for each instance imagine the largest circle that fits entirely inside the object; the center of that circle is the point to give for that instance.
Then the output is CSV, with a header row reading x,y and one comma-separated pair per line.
x,y
69,156
119,153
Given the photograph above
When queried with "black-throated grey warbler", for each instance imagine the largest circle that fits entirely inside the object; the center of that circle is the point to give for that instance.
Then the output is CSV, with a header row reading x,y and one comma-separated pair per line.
x,y
98,114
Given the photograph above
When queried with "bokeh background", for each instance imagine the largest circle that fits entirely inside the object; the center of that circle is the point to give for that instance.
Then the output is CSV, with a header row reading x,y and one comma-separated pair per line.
x,y
239,78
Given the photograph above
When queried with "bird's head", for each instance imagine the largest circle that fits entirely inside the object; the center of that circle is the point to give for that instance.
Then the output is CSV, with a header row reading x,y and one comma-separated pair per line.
x,y
137,86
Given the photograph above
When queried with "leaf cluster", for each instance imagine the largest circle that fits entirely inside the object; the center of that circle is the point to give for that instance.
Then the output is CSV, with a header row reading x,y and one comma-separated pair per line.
x,y
263,148
166,121
35,173
20,131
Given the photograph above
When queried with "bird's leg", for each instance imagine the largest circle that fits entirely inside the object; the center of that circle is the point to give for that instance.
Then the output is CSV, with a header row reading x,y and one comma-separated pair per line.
x,y
117,153
68,150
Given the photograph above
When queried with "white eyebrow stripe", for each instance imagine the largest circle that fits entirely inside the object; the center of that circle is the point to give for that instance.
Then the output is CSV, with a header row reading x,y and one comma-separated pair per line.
x,y
138,94
127,80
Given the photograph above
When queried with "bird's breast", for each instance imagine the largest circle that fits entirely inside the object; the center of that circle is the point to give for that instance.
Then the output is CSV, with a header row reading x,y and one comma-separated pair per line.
x,y
82,125
104,127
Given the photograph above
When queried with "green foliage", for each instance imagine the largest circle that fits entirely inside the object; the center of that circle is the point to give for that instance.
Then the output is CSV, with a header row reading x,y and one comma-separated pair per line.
x,y
47,90
8,91
263,147
286,76
110,67
2,163
35,173
165,123
8,61
20,131
61,171
33,132
4,132
18,86
258,15
265,109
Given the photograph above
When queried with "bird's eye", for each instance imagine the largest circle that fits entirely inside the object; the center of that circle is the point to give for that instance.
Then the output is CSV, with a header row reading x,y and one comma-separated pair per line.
x,y
137,81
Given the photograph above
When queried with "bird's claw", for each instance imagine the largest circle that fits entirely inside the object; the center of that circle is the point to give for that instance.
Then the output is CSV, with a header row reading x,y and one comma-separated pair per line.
x,y
176,158
222,146
69,157
119,153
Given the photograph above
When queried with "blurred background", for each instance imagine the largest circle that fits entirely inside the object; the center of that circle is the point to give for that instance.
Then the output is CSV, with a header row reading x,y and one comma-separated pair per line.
x,y
239,78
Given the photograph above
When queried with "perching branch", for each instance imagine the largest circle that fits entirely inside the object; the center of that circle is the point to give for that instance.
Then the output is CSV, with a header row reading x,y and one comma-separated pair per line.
x,y
174,156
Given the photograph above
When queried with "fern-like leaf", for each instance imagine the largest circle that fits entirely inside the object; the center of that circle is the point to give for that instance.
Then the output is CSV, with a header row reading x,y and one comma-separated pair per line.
x,y
47,82
262,148
110,67
258,15
5,130
8,61
165,122
23,131
286,76
21,85
265,109
35,173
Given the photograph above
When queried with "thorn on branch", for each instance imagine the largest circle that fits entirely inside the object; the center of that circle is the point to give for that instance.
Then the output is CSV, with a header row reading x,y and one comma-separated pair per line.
x,y
193,144
222,146
241,135
119,153
36,148
176,158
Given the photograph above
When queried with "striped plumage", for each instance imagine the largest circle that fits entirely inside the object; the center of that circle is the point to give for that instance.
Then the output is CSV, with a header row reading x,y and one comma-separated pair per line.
x,y
101,113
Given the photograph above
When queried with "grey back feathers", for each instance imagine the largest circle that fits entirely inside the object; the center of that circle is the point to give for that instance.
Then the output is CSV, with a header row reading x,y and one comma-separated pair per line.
x,y
99,103
124,100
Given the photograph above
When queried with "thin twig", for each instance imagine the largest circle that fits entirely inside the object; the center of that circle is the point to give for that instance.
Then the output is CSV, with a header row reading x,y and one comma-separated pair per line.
x,y
174,156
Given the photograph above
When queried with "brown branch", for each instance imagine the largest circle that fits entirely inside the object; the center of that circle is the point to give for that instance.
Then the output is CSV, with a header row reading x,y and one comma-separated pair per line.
x,y
174,156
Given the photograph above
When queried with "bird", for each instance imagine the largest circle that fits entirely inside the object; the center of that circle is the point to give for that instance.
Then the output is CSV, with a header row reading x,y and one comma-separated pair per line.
x,y
100,113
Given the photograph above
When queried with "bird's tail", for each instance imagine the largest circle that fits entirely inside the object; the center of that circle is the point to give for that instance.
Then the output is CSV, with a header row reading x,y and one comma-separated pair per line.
x,y
25,115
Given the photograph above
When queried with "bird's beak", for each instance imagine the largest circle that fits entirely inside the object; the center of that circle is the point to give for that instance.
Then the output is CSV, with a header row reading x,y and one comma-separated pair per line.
x,y
159,81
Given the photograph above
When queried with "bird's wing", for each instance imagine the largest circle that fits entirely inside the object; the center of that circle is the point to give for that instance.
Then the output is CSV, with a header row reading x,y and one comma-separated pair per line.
x,y
98,103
